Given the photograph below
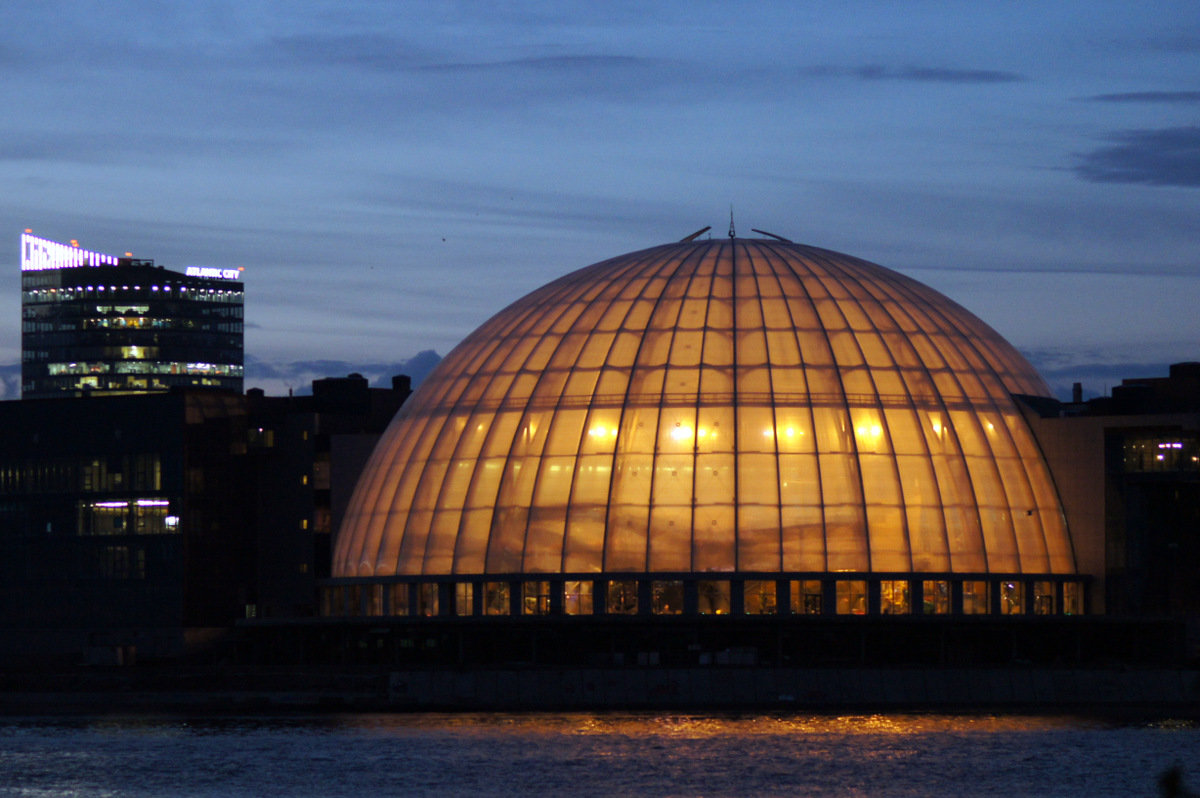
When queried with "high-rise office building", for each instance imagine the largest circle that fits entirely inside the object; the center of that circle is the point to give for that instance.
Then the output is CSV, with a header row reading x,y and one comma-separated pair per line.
x,y
93,323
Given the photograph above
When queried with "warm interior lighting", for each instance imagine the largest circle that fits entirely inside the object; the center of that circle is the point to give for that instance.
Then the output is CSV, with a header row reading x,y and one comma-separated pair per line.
x,y
631,381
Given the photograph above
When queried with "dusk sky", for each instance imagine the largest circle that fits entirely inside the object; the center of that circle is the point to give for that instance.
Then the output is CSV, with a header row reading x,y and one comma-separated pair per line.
x,y
392,174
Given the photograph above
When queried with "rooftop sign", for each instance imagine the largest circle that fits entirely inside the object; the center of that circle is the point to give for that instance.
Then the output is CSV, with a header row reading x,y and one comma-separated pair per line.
x,y
212,273
39,254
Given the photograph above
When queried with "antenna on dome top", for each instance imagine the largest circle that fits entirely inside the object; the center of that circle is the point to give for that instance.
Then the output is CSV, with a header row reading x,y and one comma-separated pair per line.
x,y
692,237
771,235
732,232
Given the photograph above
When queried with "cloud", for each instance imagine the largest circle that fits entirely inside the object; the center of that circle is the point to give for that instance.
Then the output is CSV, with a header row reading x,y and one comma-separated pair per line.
x,y
1181,43
1148,97
367,51
919,74
1167,157
1098,370
558,63
95,147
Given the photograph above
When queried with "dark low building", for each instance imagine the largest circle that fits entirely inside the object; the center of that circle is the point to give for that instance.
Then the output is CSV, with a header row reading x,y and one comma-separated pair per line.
x,y
1127,467
152,523
305,454
121,522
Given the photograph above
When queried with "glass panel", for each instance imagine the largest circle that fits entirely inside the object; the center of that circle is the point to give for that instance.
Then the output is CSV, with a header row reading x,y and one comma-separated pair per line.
x,y
626,538
758,597
354,599
670,538
535,598
666,597
713,543
464,598
577,597
712,597
375,601
935,597
583,546
893,597
758,536
889,544
1012,598
1043,598
975,598
927,538
497,598
806,597
845,539
622,597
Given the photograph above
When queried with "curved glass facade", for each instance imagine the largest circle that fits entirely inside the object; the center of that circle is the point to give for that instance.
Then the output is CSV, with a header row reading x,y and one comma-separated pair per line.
x,y
715,406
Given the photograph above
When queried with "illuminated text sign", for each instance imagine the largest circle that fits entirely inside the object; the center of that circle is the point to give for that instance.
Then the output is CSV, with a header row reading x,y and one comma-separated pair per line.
x,y
212,273
38,254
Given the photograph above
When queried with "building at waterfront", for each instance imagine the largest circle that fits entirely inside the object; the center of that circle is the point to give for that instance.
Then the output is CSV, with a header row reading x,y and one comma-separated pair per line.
x,y
146,525
94,324
744,427
1127,467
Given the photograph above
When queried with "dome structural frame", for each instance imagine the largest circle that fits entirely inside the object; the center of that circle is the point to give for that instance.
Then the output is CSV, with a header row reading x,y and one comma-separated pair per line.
x,y
715,407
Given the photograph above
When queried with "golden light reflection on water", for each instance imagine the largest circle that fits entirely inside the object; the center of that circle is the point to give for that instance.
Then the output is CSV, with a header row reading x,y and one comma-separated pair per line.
x,y
684,726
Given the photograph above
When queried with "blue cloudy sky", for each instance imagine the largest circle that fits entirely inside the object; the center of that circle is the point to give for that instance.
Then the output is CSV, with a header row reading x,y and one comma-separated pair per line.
x,y
391,174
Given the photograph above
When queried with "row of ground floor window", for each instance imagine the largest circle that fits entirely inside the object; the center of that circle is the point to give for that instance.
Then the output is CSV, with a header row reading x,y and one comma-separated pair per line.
x,y
692,595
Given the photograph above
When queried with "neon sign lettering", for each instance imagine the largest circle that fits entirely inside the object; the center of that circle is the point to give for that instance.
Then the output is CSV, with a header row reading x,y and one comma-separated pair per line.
x,y
39,254
212,273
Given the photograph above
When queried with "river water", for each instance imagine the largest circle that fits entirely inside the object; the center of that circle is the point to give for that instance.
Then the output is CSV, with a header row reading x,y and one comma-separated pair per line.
x,y
584,754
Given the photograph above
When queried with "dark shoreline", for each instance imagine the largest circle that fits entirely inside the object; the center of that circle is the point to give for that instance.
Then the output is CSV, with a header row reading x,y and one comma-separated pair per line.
x,y
1107,693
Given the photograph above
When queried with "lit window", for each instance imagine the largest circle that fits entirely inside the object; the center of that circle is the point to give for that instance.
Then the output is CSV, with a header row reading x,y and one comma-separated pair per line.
x,y
712,597
935,597
497,598
851,597
1043,598
666,597
893,597
758,597
1072,598
975,598
427,599
1012,598
622,597
535,598
464,598
375,601
806,597
399,596
577,598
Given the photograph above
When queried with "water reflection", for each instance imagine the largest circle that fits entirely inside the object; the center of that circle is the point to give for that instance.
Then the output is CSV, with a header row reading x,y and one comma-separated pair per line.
x,y
595,754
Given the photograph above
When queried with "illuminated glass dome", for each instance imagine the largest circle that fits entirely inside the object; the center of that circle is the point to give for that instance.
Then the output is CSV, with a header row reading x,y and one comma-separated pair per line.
x,y
735,405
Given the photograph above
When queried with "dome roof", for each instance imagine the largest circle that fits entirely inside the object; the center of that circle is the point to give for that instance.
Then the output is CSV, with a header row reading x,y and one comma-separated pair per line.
x,y
724,405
